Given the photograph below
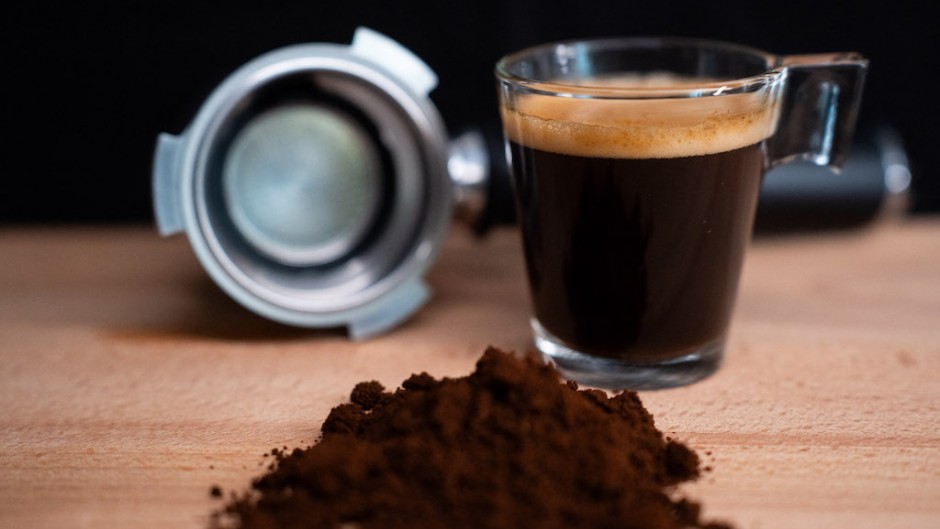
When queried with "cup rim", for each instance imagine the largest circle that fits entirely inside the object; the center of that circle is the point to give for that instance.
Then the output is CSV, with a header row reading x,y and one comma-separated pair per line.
x,y
694,89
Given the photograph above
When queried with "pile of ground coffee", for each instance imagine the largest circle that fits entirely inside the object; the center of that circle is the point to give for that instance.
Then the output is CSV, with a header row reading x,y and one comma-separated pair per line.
x,y
508,446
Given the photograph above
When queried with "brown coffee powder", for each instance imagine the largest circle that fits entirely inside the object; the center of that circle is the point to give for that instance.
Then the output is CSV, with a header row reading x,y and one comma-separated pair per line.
x,y
505,447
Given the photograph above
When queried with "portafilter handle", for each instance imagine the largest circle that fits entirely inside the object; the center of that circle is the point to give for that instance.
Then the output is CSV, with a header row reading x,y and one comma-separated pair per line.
x,y
479,173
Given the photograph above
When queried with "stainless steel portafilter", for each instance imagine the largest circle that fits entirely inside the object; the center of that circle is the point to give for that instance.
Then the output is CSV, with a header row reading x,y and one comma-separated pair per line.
x,y
316,182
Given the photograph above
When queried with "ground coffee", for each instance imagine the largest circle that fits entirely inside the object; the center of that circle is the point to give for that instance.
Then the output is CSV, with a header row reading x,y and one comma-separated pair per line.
x,y
505,447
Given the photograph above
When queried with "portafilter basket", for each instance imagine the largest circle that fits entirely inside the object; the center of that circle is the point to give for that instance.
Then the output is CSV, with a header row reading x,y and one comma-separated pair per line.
x,y
316,182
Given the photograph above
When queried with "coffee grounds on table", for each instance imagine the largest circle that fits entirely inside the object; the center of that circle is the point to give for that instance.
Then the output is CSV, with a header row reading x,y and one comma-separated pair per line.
x,y
508,446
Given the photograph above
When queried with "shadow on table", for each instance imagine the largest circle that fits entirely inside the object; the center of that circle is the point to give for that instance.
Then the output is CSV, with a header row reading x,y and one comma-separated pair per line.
x,y
204,311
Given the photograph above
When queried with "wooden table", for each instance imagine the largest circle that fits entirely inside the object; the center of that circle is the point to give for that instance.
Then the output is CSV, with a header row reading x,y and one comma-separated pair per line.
x,y
129,384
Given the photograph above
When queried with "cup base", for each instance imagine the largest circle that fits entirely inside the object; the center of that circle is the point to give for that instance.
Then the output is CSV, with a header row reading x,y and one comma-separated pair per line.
x,y
618,373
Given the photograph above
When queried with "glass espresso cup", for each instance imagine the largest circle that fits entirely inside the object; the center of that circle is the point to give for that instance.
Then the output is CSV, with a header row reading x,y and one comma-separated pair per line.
x,y
636,166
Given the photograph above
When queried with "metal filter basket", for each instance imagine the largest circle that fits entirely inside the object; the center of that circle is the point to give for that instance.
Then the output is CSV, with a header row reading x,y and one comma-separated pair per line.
x,y
313,183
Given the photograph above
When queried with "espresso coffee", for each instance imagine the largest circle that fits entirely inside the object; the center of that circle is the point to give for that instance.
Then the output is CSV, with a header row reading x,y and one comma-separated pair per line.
x,y
602,280
635,218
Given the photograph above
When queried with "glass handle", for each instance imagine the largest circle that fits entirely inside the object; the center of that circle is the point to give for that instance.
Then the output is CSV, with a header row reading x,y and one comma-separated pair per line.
x,y
819,108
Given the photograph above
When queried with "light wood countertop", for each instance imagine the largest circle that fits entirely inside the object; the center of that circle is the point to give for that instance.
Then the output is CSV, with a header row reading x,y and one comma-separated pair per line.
x,y
129,384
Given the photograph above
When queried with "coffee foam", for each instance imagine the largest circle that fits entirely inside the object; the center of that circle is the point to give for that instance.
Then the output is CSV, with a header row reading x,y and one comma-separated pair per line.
x,y
640,128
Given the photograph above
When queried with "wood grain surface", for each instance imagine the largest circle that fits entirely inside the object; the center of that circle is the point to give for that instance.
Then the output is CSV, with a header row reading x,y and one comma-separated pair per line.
x,y
130,385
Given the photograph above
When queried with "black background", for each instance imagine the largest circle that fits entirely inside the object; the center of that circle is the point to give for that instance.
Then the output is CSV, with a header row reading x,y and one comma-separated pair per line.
x,y
89,85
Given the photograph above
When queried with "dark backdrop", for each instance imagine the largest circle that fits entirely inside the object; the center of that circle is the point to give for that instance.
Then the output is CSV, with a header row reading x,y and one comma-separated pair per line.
x,y
88,86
